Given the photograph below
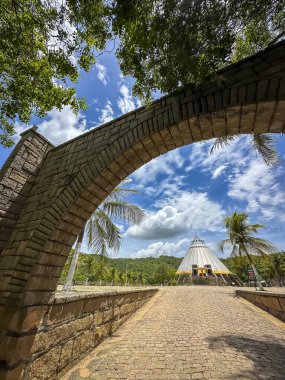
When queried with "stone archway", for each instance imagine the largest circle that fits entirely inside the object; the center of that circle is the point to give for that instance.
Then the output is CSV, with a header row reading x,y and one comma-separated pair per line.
x,y
57,188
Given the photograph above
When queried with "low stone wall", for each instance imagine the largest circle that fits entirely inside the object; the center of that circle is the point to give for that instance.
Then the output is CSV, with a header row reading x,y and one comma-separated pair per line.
x,y
273,303
73,326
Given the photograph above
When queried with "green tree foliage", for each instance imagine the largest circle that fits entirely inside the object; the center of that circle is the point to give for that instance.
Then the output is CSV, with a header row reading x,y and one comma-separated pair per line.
x,y
169,43
240,237
270,267
163,44
138,271
43,46
148,269
101,229
262,143
164,273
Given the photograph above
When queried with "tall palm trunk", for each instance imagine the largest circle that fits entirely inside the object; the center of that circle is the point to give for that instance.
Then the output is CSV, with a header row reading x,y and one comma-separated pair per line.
x,y
260,286
69,279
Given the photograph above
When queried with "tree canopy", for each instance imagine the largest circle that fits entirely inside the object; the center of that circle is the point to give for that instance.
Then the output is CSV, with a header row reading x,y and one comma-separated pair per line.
x,y
163,44
162,270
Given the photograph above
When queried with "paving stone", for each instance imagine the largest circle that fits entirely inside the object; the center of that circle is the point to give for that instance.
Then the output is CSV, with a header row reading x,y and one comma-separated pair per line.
x,y
190,333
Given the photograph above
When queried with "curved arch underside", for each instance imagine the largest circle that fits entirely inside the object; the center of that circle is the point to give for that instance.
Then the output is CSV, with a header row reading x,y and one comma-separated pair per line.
x,y
76,176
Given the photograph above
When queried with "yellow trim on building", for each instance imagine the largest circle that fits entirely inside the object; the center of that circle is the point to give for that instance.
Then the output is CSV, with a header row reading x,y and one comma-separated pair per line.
x,y
203,270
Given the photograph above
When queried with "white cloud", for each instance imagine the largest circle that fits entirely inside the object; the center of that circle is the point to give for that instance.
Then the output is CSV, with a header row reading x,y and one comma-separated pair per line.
x,y
258,185
218,171
178,215
107,113
60,126
166,164
102,73
126,102
167,249
238,154
248,178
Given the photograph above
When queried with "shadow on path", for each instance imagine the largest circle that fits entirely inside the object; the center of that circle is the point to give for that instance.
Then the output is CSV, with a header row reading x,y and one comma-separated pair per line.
x,y
267,356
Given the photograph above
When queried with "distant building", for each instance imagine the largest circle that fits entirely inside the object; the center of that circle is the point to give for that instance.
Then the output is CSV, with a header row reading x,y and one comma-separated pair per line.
x,y
200,262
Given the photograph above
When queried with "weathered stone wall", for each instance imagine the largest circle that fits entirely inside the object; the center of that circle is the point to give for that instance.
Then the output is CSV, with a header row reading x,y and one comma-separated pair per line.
x,y
76,176
273,303
73,326
17,177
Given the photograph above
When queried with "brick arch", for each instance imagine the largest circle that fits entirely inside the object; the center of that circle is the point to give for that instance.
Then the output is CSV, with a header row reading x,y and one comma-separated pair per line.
x,y
71,180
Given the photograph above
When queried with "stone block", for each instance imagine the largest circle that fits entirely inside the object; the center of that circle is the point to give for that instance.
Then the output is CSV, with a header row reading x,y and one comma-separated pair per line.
x,y
66,354
98,318
282,303
103,331
82,343
108,315
13,349
272,302
45,366
68,310
64,332
116,324
128,309
13,374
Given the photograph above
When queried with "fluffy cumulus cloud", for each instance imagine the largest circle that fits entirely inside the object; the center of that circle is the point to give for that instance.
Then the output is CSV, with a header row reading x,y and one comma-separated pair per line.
x,y
167,249
102,73
126,101
249,180
59,126
259,186
189,210
107,113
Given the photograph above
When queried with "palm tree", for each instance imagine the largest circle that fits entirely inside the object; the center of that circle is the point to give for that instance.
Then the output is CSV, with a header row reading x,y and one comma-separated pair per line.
x,y
101,231
278,266
121,278
88,267
141,278
113,273
242,242
263,143
101,269
129,277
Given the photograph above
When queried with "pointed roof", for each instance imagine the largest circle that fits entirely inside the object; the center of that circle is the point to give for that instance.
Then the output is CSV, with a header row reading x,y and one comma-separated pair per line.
x,y
199,254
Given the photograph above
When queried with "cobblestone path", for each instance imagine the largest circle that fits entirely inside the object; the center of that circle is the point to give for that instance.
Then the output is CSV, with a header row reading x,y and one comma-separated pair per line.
x,y
191,333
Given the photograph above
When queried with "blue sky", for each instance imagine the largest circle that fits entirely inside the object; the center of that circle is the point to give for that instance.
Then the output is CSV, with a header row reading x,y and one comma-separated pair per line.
x,y
183,190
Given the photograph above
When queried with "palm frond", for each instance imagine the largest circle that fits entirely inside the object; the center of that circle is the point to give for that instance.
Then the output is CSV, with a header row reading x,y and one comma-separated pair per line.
x,y
260,246
120,193
222,142
264,144
109,231
123,210
235,251
224,244
253,228
97,236
102,232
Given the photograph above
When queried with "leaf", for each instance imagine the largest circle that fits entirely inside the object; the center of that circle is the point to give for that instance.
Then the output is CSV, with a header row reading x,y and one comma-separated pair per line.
x,y
264,145
222,142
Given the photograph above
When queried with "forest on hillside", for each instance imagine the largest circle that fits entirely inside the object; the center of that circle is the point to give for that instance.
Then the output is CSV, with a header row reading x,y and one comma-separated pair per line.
x,y
95,269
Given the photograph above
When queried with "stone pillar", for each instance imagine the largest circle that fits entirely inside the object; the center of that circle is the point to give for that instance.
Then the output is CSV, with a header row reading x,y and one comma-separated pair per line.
x,y
16,179
18,325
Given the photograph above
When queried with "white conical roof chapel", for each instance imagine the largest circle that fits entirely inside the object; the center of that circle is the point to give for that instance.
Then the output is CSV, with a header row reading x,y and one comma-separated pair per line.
x,y
200,257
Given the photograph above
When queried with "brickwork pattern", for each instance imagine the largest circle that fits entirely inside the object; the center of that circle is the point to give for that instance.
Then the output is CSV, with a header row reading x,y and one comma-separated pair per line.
x,y
17,178
72,326
190,333
74,178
